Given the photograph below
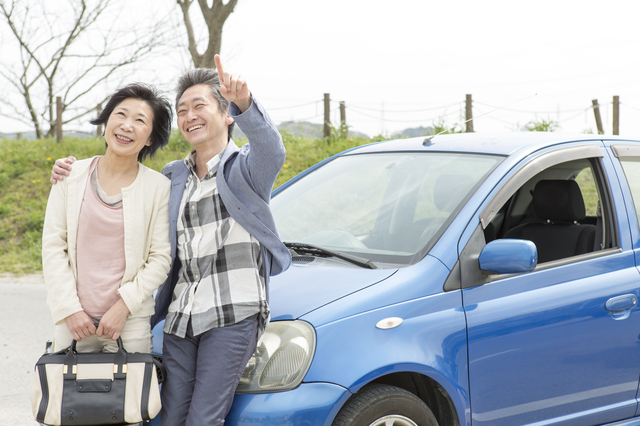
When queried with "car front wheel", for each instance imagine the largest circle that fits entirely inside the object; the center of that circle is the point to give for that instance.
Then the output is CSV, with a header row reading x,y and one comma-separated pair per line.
x,y
384,405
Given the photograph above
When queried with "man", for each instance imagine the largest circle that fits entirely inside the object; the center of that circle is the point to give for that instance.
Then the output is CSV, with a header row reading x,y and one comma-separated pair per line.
x,y
224,246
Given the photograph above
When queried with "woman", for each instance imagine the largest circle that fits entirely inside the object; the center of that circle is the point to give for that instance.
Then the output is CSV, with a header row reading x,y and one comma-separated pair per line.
x,y
105,244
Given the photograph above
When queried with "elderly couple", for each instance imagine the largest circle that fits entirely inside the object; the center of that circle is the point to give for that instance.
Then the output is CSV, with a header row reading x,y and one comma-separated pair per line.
x,y
115,229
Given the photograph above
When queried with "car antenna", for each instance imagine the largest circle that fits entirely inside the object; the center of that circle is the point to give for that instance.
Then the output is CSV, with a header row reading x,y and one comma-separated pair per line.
x,y
429,139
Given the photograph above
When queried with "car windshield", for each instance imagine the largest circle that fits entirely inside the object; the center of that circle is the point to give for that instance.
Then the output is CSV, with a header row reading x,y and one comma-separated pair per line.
x,y
385,207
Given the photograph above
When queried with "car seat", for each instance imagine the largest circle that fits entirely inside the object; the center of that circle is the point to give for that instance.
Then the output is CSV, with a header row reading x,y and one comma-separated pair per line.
x,y
560,206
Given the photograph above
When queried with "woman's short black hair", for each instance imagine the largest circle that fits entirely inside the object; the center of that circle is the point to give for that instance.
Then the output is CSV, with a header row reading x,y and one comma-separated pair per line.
x,y
162,115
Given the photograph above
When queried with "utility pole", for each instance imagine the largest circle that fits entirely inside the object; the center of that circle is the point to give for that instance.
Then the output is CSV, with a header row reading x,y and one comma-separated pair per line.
x,y
343,115
58,119
327,115
616,115
468,115
596,113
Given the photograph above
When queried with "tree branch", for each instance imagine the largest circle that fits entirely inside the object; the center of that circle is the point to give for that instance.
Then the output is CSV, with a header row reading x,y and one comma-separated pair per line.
x,y
61,57
193,46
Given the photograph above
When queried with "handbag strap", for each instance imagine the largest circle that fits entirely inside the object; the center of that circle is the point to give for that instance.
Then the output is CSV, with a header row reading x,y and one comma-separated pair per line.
x,y
120,361
44,400
71,360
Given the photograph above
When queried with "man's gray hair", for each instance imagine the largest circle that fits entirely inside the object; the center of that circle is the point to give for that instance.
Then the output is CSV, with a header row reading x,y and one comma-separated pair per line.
x,y
206,76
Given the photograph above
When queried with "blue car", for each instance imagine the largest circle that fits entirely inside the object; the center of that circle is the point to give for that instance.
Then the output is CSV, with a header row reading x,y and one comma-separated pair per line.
x,y
468,279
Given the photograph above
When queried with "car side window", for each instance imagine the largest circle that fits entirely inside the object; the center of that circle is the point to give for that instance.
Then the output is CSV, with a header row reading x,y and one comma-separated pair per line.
x,y
631,167
589,191
560,201
560,210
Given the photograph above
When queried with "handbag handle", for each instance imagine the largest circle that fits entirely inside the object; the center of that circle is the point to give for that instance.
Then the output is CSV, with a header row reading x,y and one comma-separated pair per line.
x,y
120,359
72,347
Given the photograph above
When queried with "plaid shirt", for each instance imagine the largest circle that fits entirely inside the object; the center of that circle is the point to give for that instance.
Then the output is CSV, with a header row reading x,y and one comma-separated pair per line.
x,y
221,279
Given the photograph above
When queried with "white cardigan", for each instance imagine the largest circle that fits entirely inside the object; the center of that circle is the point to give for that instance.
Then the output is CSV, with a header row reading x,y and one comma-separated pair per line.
x,y
146,241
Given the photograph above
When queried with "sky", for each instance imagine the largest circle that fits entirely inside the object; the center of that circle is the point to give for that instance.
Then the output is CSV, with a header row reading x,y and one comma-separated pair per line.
x,y
409,63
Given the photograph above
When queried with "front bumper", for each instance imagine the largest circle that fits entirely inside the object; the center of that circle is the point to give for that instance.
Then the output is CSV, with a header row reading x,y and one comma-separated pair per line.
x,y
310,404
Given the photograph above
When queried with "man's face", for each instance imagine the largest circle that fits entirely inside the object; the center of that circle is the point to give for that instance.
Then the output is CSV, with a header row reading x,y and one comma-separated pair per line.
x,y
199,118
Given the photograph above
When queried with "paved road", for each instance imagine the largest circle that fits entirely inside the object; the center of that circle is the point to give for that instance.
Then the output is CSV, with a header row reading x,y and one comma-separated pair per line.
x,y
25,326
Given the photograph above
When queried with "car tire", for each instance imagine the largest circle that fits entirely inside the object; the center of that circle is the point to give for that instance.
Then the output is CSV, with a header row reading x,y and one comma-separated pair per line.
x,y
384,405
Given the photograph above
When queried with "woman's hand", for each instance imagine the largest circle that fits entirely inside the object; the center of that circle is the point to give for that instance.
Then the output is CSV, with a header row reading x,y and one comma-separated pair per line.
x,y
113,320
80,325
61,168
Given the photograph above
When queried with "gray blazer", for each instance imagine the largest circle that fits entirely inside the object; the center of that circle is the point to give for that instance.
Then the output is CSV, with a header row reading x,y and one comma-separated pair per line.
x,y
245,180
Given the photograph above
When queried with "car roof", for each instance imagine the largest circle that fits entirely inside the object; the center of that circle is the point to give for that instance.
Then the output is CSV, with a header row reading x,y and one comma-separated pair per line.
x,y
506,143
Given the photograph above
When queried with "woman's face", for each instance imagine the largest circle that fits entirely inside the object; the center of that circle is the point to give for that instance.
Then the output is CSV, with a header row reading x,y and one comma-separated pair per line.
x,y
129,127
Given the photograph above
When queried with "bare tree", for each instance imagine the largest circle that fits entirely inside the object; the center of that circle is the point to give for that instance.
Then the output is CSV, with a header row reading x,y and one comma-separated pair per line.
x,y
68,53
215,17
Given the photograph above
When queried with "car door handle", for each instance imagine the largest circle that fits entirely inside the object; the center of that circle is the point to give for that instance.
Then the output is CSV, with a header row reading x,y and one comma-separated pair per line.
x,y
619,304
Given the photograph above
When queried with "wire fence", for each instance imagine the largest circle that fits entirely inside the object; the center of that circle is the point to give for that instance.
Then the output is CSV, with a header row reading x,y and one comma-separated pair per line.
x,y
385,117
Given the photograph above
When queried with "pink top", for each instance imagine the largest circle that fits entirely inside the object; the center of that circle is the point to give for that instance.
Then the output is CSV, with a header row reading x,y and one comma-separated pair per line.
x,y
100,247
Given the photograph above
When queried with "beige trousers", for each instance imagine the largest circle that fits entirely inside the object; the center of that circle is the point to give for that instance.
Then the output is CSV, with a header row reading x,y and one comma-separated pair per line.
x,y
136,337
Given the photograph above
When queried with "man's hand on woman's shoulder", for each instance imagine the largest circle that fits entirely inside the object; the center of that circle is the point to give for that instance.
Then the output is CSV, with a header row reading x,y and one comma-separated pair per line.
x,y
61,168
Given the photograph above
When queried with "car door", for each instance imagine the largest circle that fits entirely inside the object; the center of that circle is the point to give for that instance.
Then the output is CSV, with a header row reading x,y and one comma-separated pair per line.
x,y
558,345
626,161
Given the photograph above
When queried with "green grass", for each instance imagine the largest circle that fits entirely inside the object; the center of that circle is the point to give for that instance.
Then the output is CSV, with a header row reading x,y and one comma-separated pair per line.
x,y
25,168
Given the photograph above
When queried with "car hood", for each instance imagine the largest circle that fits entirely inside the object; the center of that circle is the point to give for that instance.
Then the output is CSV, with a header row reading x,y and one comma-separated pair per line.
x,y
305,287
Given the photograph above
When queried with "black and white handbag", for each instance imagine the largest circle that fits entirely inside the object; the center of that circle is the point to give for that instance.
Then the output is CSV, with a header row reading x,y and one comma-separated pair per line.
x,y
72,388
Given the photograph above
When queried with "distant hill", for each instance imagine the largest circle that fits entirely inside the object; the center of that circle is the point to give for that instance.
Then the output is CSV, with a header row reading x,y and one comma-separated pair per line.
x,y
304,129
32,135
414,132
299,129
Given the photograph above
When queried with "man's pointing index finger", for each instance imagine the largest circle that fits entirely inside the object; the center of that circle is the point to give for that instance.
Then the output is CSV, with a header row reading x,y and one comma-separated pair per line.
x,y
218,62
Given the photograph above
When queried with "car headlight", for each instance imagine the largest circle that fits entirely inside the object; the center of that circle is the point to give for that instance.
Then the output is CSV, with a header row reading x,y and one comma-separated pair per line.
x,y
281,359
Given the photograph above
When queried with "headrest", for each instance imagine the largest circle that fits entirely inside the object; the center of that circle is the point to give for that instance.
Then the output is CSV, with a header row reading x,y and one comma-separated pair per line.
x,y
558,201
449,190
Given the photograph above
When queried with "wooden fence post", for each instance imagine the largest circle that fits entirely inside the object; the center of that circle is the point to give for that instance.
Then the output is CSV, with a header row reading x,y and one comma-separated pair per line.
x,y
616,115
58,119
327,115
596,113
99,128
343,114
468,115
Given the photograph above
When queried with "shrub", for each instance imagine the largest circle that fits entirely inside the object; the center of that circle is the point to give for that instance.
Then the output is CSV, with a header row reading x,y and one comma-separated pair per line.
x,y
25,168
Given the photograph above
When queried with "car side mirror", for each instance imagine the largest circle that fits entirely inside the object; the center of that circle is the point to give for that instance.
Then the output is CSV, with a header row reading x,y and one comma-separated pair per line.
x,y
508,256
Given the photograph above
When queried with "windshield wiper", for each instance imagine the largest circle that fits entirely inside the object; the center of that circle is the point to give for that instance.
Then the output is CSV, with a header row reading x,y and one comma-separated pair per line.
x,y
311,249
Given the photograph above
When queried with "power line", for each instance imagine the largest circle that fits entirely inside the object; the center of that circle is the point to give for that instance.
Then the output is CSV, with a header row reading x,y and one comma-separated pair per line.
x,y
629,106
295,106
574,116
403,111
304,119
528,112
429,120
368,113
508,123
358,108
